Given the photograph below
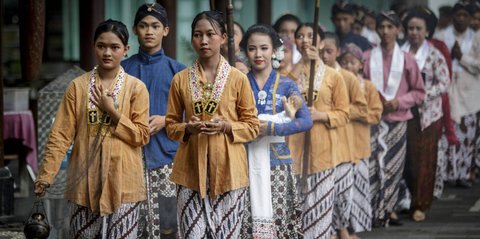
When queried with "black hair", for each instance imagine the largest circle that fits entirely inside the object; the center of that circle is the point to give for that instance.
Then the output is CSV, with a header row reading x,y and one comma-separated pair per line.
x,y
445,10
461,5
399,7
263,29
343,7
368,12
286,18
311,25
216,19
333,36
390,16
116,27
474,7
423,13
239,26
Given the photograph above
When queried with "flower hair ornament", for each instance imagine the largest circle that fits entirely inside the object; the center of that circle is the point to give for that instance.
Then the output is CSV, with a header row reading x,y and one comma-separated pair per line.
x,y
278,56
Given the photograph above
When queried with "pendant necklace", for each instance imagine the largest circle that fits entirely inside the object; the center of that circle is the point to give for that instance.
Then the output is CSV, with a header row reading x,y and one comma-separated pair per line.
x,y
262,96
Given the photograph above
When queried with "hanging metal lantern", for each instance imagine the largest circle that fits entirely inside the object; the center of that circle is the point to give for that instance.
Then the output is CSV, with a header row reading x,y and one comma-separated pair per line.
x,y
36,226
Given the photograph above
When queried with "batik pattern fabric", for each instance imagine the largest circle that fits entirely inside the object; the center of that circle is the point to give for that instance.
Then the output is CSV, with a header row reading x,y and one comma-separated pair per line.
x,y
421,163
361,212
343,195
444,150
219,217
477,145
374,167
286,207
317,205
435,74
123,223
460,160
159,210
390,156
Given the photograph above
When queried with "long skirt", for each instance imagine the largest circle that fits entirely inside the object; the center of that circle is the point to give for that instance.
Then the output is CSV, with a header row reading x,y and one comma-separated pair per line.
x,y
460,161
361,212
389,161
216,218
477,144
159,212
286,208
374,168
441,173
343,195
317,205
421,163
123,223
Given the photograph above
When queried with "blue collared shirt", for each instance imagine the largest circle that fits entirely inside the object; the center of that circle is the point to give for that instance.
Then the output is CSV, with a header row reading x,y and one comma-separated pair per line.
x,y
157,72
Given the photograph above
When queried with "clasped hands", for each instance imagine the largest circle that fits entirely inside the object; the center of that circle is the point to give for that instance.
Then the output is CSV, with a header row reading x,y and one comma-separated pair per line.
x,y
217,125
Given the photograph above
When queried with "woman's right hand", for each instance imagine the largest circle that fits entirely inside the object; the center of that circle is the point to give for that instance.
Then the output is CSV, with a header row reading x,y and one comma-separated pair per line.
x,y
311,53
40,188
194,126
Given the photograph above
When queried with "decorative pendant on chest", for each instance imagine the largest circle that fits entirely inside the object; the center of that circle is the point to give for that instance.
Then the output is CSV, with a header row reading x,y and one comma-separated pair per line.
x,y
207,90
262,96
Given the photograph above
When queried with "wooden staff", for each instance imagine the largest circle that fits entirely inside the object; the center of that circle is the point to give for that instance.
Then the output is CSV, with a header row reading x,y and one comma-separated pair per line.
x,y
231,42
306,151
212,5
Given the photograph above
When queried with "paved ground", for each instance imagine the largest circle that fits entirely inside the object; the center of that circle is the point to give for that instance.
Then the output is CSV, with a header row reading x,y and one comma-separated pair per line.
x,y
455,216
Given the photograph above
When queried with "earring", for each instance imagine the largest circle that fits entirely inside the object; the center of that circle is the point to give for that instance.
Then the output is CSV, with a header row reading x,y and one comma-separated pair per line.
x,y
274,56
126,55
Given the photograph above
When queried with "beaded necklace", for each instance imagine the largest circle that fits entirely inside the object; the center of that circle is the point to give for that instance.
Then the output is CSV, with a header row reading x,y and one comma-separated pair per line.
x,y
206,98
96,117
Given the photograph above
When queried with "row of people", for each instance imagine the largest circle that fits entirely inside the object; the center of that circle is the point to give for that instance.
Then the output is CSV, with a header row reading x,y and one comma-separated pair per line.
x,y
214,109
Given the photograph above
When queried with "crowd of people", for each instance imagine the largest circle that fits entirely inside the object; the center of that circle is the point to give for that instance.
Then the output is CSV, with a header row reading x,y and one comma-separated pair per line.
x,y
161,150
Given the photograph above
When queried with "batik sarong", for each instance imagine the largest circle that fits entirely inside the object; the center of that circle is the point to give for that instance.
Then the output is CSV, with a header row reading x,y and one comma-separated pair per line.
x,y
286,208
389,156
441,173
317,204
421,162
159,213
123,223
343,195
217,218
460,161
361,212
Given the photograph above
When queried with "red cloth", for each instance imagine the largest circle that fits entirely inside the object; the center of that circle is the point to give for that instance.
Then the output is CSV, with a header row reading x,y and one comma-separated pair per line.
x,y
447,121
20,125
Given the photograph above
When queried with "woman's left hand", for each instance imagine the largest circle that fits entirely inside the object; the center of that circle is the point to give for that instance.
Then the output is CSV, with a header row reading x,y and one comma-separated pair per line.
x,y
103,99
217,125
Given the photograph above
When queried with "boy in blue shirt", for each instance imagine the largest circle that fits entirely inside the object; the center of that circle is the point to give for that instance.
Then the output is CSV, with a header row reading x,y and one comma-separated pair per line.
x,y
156,70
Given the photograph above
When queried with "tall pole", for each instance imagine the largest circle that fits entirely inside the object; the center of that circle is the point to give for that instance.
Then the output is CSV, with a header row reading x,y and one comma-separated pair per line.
x,y
32,37
218,5
264,11
92,12
306,151
169,43
2,155
231,42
